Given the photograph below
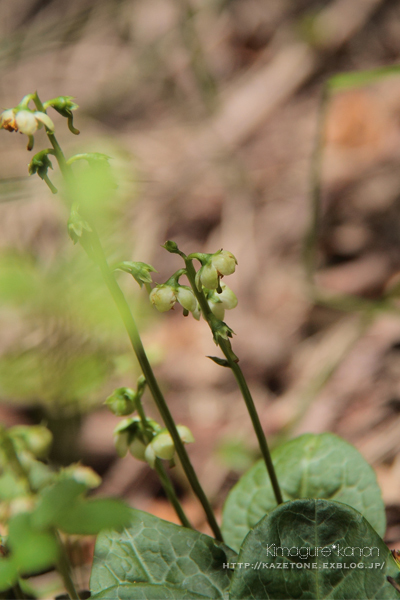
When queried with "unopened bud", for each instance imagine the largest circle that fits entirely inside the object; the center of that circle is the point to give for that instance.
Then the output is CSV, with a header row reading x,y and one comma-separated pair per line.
x,y
185,434
137,449
224,262
163,445
139,270
186,298
163,297
217,308
121,443
82,474
121,402
36,439
207,276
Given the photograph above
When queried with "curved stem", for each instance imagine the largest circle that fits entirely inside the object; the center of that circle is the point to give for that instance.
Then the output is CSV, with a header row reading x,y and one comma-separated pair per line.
x,y
63,567
95,250
171,494
161,472
130,326
226,348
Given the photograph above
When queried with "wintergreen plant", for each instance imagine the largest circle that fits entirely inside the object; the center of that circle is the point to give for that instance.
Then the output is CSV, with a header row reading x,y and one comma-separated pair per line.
x,y
40,506
304,522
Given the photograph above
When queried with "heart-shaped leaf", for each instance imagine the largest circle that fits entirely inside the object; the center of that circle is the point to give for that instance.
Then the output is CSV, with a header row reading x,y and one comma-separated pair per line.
x,y
153,559
310,466
313,549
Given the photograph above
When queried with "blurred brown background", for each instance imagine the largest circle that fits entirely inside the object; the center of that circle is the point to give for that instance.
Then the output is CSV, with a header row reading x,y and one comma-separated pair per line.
x,y
210,112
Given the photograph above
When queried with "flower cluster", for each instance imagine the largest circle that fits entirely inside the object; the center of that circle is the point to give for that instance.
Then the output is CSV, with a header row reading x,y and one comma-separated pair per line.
x,y
218,303
162,445
131,435
165,296
25,121
214,266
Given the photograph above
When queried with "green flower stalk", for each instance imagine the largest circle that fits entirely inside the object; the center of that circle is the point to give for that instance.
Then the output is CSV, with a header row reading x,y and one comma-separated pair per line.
x,y
82,230
214,266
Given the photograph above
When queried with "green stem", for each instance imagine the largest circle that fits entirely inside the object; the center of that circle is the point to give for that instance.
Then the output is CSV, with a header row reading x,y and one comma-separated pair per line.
x,y
161,472
131,328
237,372
64,570
171,494
123,308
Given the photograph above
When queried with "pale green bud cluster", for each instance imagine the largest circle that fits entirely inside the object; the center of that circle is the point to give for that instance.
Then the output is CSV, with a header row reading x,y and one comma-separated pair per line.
x,y
36,440
162,445
131,435
214,266
218,303
25,121
122,402
165,296
81,474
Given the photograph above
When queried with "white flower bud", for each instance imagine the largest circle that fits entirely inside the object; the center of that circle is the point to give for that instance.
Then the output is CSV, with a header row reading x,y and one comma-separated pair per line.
x,y
227,297
82,474
185,434
224,262
150,456
26,122
163,297
163,445
121,443
137,449
209,276
197,312
217,308
186,298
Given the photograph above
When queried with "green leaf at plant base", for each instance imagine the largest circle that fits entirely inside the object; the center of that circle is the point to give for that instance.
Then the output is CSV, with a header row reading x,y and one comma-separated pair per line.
x,y
154,559
55,502
91,516
8,573
310,466
341,535
31,548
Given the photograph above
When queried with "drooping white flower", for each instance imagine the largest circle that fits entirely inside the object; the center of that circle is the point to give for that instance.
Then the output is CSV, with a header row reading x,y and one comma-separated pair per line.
x,y
163,297
227,297
207,276
28,122
217,265
186,298
224,262
217,308
185,434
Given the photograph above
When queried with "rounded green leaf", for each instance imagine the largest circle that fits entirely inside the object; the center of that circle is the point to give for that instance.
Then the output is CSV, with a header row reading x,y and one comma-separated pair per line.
x,y
89,517
8,573
313,549
32,549
310,466
153,559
